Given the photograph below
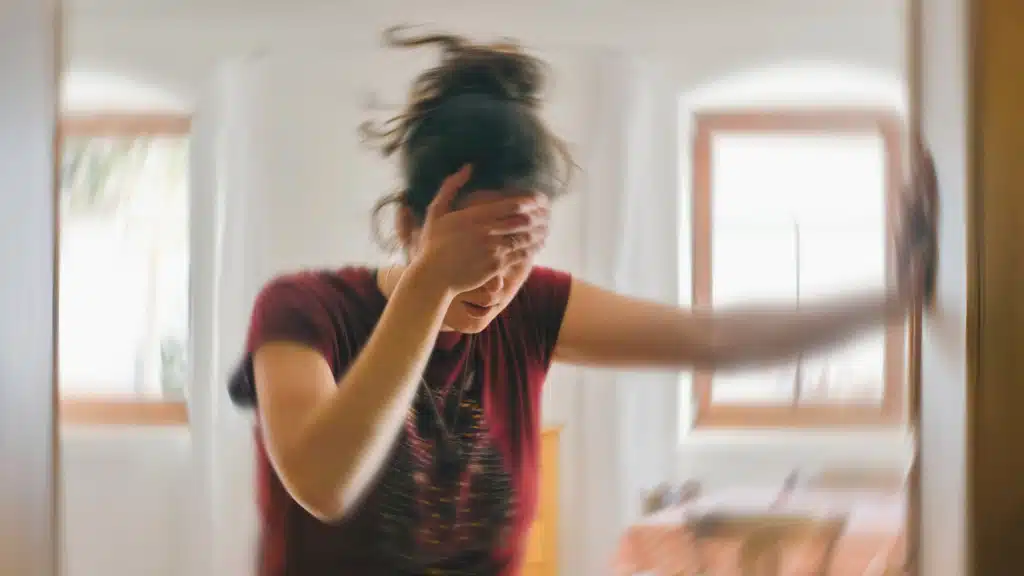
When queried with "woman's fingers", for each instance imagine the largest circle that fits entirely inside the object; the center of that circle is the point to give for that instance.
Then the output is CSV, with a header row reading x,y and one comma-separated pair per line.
x,y
925,221
523,252
445,199
511,229
513,249
517,225
917,227
525,238
506,211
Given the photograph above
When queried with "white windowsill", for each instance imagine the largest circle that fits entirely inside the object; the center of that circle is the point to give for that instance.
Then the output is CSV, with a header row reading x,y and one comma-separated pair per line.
x,y
744,457
794,437
77,437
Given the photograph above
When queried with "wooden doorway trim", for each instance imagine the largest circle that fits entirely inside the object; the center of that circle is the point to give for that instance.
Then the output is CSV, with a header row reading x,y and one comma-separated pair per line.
x,y
994,87
995,327
914,37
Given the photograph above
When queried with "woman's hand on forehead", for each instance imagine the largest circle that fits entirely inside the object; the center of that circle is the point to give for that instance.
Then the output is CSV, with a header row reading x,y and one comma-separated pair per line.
x,y
491,233
527,210
527,198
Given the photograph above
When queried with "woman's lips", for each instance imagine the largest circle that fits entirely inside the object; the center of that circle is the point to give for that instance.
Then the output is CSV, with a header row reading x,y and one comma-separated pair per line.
x,y
476,310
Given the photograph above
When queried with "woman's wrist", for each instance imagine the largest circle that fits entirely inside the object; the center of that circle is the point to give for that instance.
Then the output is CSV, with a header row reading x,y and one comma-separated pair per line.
x,y
422,280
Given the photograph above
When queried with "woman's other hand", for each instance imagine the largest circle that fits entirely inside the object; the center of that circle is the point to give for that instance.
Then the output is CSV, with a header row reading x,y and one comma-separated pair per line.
x,y
916,231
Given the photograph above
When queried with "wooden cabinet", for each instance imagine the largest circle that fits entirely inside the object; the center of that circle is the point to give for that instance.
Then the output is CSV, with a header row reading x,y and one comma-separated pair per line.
x,y
542,548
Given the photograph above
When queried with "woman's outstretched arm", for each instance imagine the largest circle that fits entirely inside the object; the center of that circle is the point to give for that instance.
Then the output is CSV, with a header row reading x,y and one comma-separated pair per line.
x,y
602,328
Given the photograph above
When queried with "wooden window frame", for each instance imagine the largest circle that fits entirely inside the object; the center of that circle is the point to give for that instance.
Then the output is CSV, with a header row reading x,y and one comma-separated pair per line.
x,y
121,410
891,412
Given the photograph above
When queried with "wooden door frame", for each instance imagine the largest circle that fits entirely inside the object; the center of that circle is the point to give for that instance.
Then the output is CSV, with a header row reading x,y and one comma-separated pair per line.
x,y
993,510
995,328
914,49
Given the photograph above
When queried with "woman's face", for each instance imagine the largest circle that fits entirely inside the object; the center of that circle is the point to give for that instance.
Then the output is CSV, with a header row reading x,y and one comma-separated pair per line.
x,y
472,311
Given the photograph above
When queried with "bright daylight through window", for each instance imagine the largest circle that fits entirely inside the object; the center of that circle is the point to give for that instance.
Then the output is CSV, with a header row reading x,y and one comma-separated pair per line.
x,y
124,264
788,210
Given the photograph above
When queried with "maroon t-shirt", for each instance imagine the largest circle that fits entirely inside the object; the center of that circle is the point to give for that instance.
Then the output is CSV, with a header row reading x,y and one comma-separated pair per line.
x,y
459,489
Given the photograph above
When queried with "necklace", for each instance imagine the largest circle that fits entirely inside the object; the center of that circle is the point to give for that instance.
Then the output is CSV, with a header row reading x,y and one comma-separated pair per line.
x,y
449,451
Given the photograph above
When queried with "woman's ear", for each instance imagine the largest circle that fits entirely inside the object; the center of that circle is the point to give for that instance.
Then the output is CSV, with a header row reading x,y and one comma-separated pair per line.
x,y
407,227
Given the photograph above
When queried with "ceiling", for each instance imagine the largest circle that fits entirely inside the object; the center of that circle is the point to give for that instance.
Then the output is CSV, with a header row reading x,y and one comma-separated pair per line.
x,y
249,8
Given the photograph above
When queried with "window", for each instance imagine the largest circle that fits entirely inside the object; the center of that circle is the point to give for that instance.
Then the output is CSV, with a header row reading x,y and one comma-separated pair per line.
x,y
790,206
123,272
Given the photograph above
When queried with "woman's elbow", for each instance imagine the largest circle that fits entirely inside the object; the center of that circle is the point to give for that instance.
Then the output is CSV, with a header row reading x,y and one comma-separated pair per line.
x,y
726,353
718,351
327,513
708,352
323,500
326,506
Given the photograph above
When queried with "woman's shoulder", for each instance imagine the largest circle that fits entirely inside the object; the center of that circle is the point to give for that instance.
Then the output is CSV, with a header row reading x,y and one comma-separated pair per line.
x,y
331,311
338,303
319,278
545,288
338,287
538,309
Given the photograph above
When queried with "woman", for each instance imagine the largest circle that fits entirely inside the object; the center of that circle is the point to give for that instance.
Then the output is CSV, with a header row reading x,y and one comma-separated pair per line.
x,y
399,409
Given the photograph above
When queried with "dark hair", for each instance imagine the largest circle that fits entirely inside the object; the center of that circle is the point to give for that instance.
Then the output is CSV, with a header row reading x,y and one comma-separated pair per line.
x,y
480,105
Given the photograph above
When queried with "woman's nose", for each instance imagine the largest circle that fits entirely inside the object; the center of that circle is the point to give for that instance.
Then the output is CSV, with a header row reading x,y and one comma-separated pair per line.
x,y
493,287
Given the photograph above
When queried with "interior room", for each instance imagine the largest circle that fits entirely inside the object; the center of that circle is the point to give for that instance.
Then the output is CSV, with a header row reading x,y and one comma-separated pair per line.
x,y
273,98
729,153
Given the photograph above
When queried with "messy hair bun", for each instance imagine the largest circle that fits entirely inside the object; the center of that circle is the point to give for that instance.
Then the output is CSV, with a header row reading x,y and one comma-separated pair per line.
x,y
479,105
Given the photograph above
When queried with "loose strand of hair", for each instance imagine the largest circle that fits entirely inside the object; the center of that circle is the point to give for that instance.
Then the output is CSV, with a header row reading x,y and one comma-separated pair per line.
x,y
389,242
450,43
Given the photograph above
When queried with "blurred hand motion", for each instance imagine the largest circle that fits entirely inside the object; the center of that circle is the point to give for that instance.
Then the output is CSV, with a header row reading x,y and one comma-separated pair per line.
x,y
917,228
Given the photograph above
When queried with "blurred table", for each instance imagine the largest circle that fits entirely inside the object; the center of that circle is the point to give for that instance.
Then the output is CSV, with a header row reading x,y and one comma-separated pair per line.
x,y
664,543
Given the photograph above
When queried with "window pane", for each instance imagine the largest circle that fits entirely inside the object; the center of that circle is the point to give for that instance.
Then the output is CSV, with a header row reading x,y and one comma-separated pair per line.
x,y
854,374
835,258
124,266
770,387
796,217
754,262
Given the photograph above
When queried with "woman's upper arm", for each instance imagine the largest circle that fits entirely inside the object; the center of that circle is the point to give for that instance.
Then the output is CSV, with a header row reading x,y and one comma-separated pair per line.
x,y
290,346
291,380
604,328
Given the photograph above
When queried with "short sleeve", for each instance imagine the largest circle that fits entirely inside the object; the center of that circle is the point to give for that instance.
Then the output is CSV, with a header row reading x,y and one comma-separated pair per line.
x,y
544,296
288,309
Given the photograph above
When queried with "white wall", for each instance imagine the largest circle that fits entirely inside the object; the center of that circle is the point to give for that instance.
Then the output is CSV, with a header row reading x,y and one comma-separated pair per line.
x,y
703,43
29,535
944,115
123,501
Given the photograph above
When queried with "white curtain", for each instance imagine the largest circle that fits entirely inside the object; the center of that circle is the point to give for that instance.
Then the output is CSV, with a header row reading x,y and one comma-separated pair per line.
x,y
630,244
280,183
222,526
203,264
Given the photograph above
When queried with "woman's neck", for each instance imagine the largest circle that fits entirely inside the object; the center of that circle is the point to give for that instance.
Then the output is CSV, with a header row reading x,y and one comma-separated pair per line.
x,y
387,280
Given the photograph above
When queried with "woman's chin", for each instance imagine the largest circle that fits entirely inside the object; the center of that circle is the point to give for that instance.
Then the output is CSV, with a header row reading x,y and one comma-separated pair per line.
x,y
468,325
